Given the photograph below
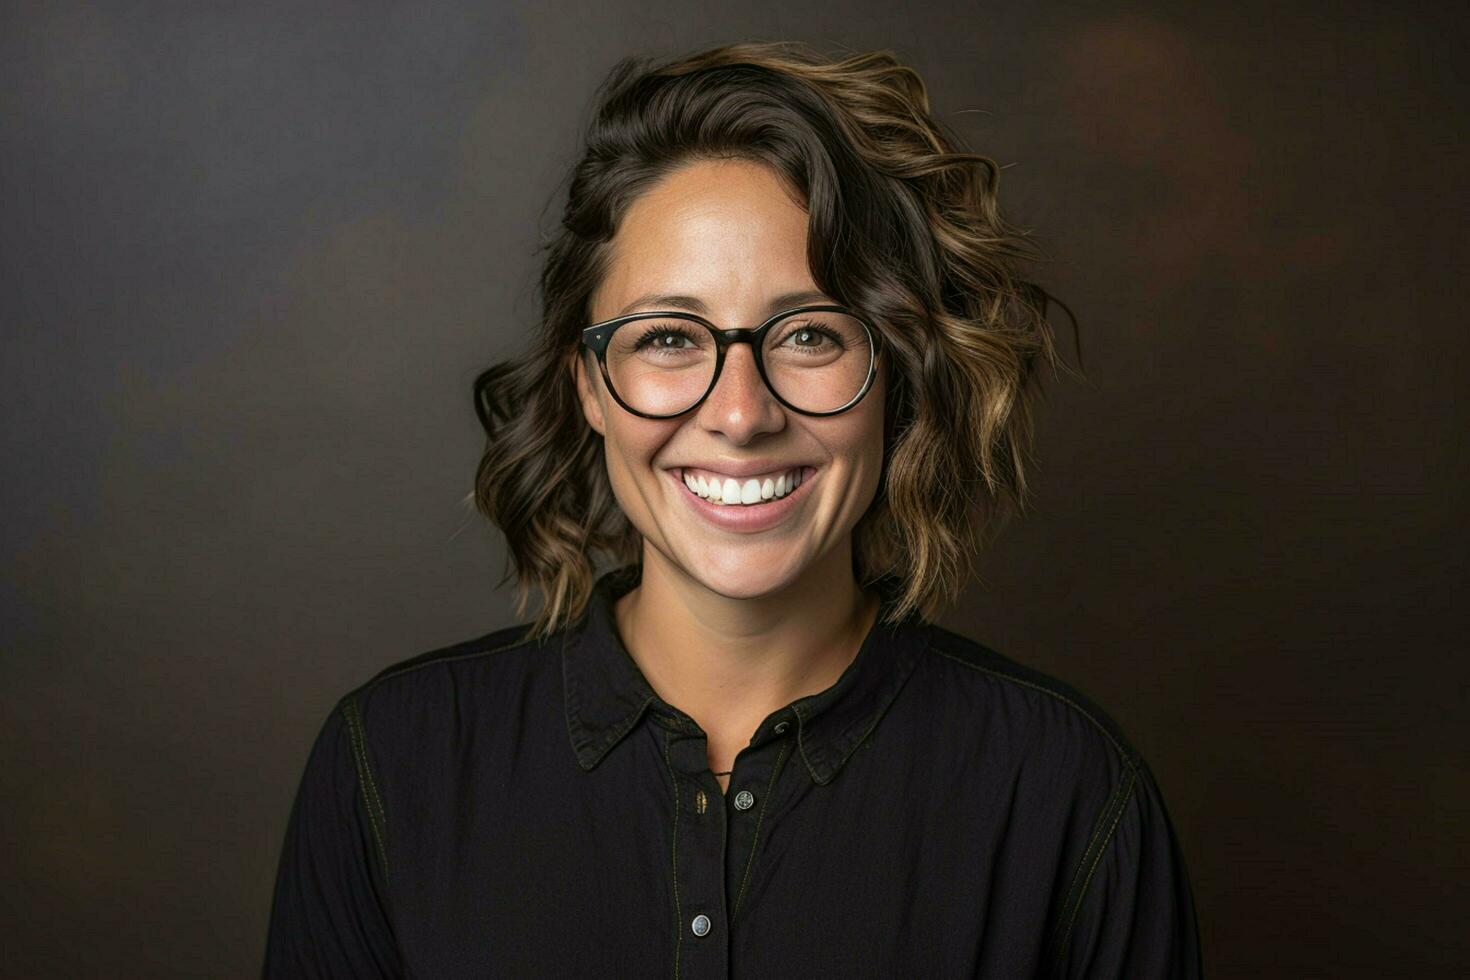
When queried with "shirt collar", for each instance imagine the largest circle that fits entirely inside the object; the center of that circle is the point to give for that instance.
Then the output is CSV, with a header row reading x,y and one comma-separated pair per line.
x,y
607,694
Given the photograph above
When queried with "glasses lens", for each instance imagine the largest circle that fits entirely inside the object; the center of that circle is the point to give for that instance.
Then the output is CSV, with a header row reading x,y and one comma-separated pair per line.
x,y
661,365
817,361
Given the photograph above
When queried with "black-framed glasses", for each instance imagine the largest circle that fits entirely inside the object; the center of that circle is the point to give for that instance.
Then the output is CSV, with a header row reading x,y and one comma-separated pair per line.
x,y
816,360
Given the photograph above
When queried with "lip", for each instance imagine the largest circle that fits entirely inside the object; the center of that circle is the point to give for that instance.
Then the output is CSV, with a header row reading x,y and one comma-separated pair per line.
x,y
745,468
744,519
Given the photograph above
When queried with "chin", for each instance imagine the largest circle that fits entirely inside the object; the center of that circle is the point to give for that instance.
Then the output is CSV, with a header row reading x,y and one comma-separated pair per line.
x,y
738,573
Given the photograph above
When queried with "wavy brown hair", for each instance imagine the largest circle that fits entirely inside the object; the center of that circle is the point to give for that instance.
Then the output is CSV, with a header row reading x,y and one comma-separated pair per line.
x,y
904,228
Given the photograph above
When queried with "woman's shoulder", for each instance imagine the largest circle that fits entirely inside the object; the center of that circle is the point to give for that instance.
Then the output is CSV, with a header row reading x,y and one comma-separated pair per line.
x,y
995,696
425,682
1091,804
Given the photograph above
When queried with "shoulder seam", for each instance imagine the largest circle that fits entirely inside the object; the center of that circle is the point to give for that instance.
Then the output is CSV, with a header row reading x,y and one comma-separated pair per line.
x,y
377,816
351,709
392,672
1107,822
1124,753
1111,816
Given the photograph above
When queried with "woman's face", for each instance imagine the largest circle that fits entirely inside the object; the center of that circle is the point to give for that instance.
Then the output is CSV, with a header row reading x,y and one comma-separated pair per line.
x,y
728,233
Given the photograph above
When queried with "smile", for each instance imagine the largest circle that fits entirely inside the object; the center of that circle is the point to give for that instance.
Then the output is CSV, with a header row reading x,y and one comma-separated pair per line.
x,y
734,491
788,488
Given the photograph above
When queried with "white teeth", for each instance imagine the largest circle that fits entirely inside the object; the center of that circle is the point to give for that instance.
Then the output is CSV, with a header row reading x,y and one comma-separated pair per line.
x,y
752,491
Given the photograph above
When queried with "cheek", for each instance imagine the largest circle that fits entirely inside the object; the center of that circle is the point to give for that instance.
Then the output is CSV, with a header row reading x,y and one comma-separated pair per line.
x,y
631,445
868,448
857,447
869,433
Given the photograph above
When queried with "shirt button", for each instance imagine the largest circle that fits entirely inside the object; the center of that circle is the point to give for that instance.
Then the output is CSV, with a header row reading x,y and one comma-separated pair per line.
x,y
700,925
744,800
781,726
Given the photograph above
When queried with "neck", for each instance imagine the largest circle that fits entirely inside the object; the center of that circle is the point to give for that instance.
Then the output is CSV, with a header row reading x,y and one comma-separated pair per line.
x,y
728,663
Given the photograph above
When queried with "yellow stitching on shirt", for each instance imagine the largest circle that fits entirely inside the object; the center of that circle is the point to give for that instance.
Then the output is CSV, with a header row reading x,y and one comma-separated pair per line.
x,y
1072,901
678,916
377,815
372,783
1127,758
1097,859
357,735
1125,788
750,861
393,672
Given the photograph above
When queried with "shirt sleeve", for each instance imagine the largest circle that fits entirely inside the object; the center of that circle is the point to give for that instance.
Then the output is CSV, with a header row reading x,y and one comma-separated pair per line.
x,y
328,917
1136,916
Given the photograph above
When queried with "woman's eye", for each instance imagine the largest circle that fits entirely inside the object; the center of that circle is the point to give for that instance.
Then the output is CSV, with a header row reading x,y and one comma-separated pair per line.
x,y
808,337
664,339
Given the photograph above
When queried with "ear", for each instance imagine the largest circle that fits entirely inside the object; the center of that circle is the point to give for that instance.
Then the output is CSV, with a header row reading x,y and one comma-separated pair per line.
x,y
591,399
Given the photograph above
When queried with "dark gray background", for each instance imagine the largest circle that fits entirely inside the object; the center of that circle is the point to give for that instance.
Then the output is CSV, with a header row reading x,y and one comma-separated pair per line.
x,y
254,254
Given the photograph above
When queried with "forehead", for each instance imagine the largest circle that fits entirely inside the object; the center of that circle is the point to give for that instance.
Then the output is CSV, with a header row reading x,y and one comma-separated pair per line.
x,y
731,232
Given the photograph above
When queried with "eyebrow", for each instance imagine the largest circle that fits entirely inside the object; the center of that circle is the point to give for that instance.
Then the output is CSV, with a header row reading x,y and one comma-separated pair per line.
x,y
679,301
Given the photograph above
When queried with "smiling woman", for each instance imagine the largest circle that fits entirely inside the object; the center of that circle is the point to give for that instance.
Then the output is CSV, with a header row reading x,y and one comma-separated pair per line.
x,y
864,197
729,233
782,379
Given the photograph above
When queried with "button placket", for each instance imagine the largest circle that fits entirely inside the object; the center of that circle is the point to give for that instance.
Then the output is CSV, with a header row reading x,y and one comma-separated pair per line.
x,y
758,768
701,946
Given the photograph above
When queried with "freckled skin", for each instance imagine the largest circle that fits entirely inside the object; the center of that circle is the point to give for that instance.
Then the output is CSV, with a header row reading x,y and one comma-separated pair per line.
x,y
730,233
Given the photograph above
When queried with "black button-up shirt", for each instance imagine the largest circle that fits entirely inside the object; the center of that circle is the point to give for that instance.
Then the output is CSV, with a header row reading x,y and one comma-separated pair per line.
x,y
521,808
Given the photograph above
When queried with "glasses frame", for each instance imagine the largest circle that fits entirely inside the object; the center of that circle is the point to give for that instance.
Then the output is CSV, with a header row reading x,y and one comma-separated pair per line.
x,y
596,338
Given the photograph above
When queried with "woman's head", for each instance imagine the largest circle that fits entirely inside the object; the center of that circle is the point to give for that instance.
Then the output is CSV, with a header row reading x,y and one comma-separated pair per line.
x,y
738,175
731,236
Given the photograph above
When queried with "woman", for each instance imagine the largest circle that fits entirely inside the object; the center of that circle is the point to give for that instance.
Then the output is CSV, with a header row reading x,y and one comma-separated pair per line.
x,y
782,379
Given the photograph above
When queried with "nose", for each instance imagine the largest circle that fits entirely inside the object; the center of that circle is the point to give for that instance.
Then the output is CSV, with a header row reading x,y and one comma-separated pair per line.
x,y
741,406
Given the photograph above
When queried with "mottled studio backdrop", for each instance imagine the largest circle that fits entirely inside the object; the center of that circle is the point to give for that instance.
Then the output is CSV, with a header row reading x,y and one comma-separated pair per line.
x,y
252,256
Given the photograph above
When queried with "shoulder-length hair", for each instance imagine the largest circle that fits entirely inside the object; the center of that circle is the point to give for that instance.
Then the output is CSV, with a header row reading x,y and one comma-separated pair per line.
x,y
904,228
